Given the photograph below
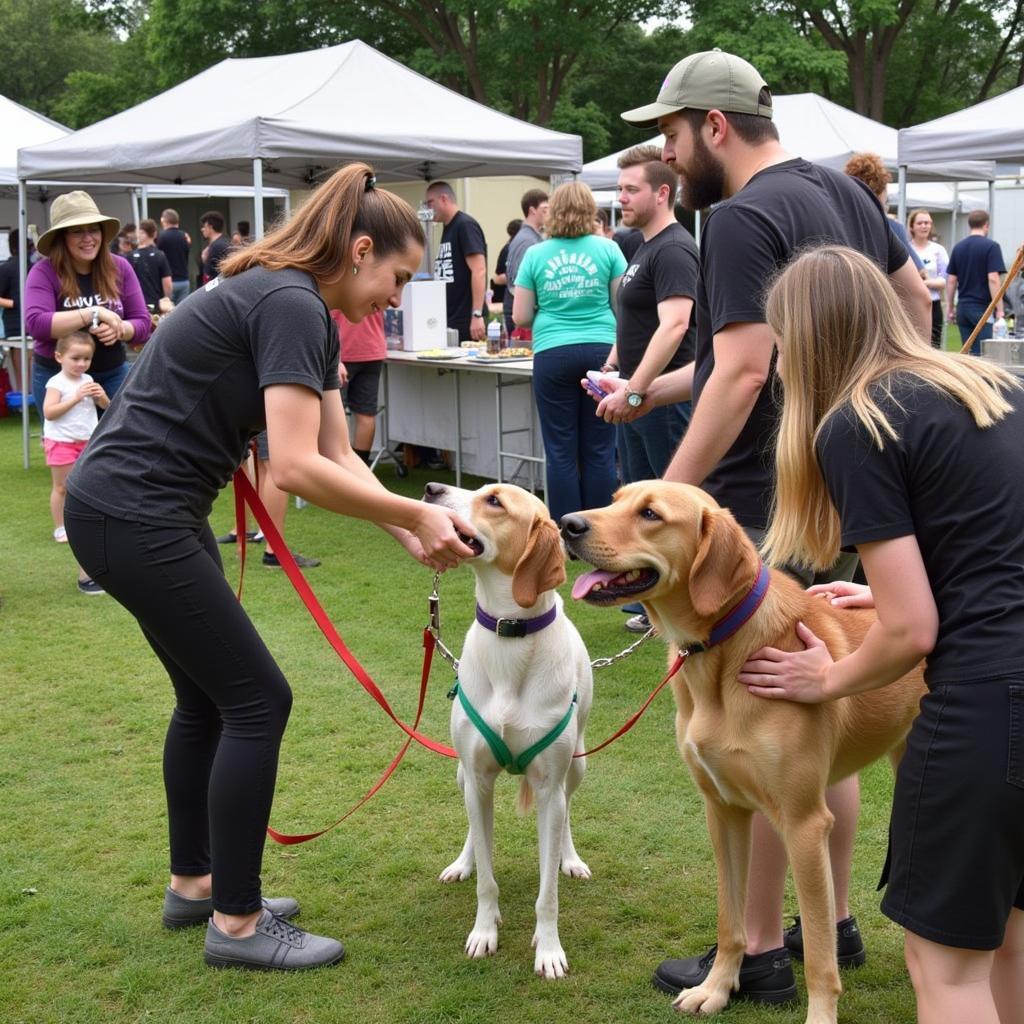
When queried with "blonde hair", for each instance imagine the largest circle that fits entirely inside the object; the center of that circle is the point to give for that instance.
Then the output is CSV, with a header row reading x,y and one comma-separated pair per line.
x,y
571,211
317,238
843,336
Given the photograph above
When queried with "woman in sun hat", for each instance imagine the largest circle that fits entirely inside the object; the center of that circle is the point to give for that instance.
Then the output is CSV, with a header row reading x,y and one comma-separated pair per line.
x,y
80,282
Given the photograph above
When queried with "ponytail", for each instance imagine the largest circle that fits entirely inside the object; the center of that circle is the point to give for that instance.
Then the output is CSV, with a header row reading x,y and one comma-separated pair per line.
x,y
318,237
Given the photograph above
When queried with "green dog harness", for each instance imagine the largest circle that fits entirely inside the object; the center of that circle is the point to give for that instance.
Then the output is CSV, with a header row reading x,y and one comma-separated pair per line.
x,y
514,765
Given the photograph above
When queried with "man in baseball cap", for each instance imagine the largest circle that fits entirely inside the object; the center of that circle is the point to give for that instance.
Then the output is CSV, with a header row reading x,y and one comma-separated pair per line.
x,y
715,112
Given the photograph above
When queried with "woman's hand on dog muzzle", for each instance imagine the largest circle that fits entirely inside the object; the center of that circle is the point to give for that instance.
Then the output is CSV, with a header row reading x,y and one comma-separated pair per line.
x,y
800,676
437,533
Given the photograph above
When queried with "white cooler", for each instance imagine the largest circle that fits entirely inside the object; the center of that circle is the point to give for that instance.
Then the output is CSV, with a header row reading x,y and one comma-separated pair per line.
x,y
424,316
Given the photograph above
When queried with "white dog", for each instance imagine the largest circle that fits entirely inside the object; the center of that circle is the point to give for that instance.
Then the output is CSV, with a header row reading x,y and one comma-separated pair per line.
x,y
524,679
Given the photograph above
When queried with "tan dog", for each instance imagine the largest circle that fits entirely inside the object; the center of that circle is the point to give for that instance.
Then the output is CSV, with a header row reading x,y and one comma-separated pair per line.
x,y
525,672
687,560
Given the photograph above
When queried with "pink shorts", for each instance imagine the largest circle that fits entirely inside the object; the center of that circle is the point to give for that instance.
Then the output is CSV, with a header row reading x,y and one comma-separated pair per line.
x,y
62,453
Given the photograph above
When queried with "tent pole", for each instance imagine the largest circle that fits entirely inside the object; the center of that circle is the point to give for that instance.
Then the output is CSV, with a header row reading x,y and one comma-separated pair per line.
x,y
991,204
956,209
257,197
696,226
134,195
901,206
144,201
22,274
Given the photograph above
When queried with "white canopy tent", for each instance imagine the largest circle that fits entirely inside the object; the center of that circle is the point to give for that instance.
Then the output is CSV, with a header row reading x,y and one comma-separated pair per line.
x,y
825,133
990,130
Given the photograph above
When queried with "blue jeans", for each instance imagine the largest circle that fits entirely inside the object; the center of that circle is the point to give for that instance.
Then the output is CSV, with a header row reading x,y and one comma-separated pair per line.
x,y
179,290
646,445
110,379
579,446
967,317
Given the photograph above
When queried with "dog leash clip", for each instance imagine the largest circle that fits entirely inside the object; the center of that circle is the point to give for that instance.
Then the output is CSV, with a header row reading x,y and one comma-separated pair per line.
x,y
434,605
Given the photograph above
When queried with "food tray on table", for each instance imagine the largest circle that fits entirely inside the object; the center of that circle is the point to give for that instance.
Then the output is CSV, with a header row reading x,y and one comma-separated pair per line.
x,y
506,355
440,353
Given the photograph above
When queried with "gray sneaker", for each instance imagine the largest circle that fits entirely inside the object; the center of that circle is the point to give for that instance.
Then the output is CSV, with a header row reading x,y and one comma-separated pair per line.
x,y
276,946
181,912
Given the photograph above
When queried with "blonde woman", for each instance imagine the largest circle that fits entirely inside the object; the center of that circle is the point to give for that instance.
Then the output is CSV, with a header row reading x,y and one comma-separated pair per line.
x,y
254,349
565,289
913,456
934,261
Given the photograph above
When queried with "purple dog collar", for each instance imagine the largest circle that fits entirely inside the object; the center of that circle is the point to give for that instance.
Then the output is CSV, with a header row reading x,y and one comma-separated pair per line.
x,y
732,621
515,627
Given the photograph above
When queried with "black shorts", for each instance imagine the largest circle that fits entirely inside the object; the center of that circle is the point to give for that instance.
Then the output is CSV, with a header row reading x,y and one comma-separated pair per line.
x,y
361,392
956,837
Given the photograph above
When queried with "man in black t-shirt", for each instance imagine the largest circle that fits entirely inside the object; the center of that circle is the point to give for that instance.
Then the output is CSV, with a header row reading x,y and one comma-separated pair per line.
x,y
175,244
211,226
715,112
461,263
973,278
151,267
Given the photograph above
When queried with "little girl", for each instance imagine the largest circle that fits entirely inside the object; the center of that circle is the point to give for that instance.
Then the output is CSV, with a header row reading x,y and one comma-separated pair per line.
x,y
69,412
913,456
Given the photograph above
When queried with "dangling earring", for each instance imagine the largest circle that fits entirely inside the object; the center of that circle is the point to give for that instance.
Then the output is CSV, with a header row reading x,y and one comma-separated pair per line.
x,y
355,269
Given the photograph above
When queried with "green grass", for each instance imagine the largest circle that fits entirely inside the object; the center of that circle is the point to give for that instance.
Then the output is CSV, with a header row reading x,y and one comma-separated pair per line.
x,y
84,848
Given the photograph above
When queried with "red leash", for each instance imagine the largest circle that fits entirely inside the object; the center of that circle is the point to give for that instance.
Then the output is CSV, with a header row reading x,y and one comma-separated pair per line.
x,y
246,494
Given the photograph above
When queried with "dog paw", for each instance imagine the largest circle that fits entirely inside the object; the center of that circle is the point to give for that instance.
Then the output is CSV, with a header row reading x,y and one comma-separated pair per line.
x,y
574,867
550,962
482,942
701,1000
458,871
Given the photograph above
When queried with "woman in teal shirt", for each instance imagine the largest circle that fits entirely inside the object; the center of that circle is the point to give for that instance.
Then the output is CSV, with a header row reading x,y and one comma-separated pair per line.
x,y
566,290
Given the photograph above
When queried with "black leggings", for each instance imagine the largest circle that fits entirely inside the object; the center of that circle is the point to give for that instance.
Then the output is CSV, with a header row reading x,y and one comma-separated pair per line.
x,y
232,701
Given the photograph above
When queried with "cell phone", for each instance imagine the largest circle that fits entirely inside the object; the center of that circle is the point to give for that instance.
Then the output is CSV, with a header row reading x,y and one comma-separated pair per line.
x,y
593,376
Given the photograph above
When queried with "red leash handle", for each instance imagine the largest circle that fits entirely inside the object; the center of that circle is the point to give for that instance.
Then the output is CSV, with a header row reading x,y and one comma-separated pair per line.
x,y
309,599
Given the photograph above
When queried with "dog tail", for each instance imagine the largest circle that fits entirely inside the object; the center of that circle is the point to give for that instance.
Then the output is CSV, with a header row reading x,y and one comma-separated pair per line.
x,y
524,801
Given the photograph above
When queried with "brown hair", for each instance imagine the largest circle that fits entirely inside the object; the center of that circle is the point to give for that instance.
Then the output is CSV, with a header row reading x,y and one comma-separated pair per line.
x,y
977,218
103,270
171,216
75,338
656,171
914,214
317,237
843,335
532,199
572,211
751,128
149,226
868,167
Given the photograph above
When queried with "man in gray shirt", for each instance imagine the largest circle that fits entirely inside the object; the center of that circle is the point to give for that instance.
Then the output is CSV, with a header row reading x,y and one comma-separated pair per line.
x,y
535,212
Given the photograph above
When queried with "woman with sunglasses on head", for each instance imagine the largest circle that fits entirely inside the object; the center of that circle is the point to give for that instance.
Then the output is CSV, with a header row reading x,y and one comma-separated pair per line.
x,y
255,348
913,456
82,286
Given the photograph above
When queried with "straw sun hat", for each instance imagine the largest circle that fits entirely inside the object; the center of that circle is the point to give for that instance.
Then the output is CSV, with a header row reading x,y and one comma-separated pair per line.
x,y
74,209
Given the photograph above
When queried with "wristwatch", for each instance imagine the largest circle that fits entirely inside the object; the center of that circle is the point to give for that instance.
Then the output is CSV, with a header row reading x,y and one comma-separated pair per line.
x,y
633,398
478,312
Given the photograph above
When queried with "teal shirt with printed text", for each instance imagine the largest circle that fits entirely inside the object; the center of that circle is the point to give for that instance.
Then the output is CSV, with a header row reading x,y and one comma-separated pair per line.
x,y
570,279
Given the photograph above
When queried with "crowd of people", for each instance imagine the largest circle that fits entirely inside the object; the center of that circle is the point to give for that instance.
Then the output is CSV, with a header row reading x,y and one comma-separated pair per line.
x,y
790,365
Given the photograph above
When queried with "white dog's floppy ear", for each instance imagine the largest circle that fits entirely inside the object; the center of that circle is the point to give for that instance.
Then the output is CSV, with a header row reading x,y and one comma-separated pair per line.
x,y
542,566
726,562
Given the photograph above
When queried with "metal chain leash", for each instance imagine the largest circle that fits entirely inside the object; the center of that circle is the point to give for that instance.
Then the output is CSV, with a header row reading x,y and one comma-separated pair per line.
x,y
434,625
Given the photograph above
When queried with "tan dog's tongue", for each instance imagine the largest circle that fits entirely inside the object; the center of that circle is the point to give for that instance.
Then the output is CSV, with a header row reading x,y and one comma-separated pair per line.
x,y
589,580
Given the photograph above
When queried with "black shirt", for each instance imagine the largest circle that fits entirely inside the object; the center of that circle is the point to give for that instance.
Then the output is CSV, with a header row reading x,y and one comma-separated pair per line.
x,y
179,426
628,240
9,289
973,258
461,237
960,491
215,253
665,267
744,241
500,268
151,267
174,245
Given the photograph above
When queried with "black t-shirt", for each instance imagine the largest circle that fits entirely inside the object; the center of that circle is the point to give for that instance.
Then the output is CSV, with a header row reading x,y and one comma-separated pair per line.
x,y
9,290
500,268
151,267
215,253
179,426
628,240
105,357
973,258
461,237
960,491
665,267
174,245
744,241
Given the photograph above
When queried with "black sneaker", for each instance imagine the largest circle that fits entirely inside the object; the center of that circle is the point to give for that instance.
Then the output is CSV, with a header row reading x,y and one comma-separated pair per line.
x,y
301,561
764,977
230,538
90,587
849,944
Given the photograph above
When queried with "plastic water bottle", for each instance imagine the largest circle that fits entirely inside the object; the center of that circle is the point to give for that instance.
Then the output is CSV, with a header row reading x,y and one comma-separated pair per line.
x,y
999,330
494,337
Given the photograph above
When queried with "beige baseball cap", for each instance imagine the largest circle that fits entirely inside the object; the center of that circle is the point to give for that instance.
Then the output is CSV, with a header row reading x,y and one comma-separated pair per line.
x,y
710,80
